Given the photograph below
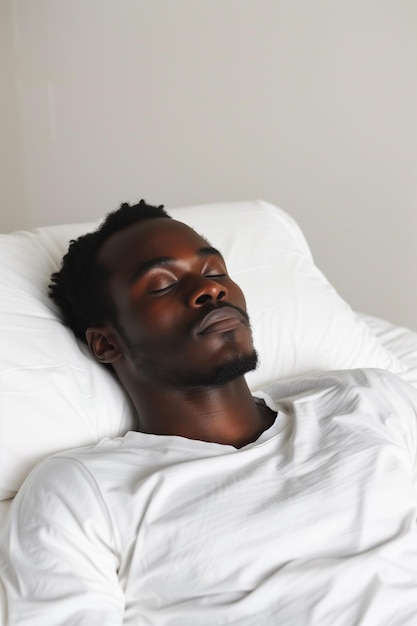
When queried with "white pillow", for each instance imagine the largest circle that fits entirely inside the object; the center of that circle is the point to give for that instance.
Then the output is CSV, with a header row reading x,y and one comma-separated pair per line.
x,y
54,395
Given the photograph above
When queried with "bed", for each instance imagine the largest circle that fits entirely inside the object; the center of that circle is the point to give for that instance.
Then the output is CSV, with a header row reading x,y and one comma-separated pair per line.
x,y
54,396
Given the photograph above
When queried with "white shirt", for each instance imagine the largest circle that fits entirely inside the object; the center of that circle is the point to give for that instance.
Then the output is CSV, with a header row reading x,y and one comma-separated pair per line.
x,y
314,524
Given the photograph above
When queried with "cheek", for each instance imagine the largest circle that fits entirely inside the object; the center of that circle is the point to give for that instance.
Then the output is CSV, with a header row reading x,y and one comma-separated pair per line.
x,y
153,320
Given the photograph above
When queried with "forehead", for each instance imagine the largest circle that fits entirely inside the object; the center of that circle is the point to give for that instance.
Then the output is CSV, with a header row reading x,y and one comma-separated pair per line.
x,y
146,240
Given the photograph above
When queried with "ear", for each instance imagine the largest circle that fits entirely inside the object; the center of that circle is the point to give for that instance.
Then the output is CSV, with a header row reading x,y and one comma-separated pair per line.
x,y
103,344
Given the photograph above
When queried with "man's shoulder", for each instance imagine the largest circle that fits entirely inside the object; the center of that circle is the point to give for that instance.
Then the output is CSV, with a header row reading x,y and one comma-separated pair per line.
x,y
74,466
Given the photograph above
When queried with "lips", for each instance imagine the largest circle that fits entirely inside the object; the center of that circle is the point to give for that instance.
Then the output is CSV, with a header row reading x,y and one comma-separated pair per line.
x,y
220,320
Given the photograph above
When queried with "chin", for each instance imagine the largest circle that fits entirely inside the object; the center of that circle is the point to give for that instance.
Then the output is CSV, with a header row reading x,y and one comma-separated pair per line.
x,y
225,373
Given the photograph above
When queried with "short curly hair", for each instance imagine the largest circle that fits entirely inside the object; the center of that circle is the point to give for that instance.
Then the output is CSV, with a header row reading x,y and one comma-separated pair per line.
x,y
79,288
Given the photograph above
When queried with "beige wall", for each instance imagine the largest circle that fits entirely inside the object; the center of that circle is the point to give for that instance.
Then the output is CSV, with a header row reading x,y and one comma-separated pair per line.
x,y
12,211
310,104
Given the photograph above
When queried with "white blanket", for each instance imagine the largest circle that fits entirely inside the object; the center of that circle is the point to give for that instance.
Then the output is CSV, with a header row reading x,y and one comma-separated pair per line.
x,y
314,523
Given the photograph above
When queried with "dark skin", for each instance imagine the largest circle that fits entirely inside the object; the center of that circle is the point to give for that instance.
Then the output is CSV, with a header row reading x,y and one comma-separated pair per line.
x,y
180,318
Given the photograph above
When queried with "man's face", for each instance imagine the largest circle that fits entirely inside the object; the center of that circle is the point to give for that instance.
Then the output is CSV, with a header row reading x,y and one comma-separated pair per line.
x,y
181,320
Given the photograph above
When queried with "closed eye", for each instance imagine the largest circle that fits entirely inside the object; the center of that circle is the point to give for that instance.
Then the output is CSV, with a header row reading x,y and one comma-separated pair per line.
x,y
214,269
162,287
215,275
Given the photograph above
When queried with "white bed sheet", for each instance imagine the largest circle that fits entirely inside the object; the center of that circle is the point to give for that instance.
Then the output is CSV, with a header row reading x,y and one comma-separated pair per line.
x,y
399,340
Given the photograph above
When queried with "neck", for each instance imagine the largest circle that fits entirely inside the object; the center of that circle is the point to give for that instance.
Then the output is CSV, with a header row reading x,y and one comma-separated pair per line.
x,y
226,414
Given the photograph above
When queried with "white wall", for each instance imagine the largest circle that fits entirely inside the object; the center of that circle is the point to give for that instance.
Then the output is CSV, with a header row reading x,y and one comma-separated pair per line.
x,y
310,104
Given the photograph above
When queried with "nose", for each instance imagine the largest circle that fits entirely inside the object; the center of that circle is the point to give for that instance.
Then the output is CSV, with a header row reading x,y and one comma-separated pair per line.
x,y
206,289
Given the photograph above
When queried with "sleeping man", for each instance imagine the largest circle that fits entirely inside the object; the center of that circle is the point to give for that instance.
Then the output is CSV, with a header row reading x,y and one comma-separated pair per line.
x,y
295,508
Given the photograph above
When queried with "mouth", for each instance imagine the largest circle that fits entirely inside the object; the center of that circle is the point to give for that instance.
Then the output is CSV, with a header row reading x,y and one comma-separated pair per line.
x,y
220,320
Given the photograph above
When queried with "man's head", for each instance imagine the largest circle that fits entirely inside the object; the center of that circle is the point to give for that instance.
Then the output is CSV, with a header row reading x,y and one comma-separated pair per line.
x,y
153,298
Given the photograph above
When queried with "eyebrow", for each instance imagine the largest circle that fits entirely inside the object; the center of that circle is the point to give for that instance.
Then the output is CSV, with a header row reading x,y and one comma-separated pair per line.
x,y
163,261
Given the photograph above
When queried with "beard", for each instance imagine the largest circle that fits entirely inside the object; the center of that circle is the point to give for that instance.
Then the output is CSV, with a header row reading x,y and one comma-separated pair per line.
x,y
224,373
236,366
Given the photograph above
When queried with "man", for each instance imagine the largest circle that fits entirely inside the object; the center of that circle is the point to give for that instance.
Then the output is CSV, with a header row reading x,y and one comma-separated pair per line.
x,y
221,509
173,325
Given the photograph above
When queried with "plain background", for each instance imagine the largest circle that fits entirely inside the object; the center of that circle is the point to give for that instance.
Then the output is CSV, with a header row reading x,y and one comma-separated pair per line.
x,y
309,104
